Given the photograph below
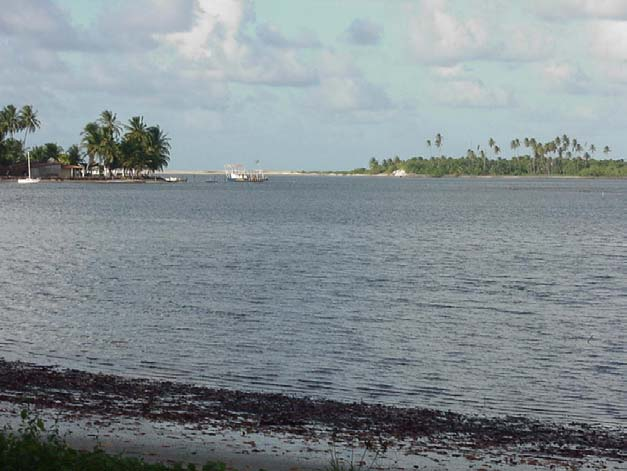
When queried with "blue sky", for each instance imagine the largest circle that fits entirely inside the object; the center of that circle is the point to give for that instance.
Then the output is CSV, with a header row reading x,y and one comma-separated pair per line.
x,y
321,84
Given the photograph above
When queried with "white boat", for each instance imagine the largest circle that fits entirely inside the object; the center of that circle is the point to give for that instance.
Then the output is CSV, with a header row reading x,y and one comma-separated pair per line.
x,y
175,179
29,179
237,173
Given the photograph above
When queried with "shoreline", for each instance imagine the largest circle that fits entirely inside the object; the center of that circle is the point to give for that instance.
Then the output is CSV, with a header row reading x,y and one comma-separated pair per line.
x,y
341,173
285,422
287,173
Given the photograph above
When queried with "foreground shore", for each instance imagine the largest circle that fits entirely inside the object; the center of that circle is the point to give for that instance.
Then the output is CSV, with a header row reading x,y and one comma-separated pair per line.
x,y
157,418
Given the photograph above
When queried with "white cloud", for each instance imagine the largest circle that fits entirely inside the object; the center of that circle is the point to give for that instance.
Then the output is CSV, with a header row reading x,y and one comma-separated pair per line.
x,y
438,37
450,72
217,46
473,94
608,46
567,77
336,64
352,94
130,26
615,72
215,31
609,40
582,9
585,113
525,43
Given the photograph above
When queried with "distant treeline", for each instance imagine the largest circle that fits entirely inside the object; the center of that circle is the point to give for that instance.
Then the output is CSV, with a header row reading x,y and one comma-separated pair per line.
x,y
106,144
562,156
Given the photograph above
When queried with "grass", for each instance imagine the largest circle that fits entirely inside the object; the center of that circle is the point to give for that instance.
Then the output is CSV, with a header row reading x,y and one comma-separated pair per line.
x,y
34,448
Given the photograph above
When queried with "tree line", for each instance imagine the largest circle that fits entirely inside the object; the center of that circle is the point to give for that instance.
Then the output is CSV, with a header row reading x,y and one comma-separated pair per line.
x,y
106,145
561,156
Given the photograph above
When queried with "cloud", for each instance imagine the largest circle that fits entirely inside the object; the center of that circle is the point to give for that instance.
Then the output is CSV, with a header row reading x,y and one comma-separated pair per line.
x,y
121,27
609,40
270,35
218,47
526,43
567,77
362,32
137,25
449,71
352,94
581,9
37,23
215,30
274,68
608,47
473,94
615,72
438,37
584,113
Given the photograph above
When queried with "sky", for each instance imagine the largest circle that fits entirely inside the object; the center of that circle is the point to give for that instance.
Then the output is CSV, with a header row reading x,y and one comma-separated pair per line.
x,y
321,84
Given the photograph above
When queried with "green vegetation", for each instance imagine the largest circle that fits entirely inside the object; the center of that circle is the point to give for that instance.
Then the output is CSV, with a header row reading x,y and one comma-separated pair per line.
x,y
562,156
107,147
13,122
140,148
33,448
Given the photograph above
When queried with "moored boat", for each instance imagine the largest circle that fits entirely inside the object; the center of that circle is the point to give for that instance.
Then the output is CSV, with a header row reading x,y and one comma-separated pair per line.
x,y
238,173
174,179
28,179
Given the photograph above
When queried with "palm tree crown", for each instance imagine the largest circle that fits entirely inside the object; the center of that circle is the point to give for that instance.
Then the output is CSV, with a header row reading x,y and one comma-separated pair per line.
x,y
28,121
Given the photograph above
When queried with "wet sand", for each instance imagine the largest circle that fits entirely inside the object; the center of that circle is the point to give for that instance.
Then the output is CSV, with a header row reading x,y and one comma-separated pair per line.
x,y
163,420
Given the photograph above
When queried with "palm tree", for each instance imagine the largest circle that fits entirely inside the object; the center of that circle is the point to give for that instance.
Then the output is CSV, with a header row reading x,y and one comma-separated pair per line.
x,y
134,145
136,126
159,148
565,141
110,124
438,141
28,121
515,144
578,147
92,142
606,151
110,128
73,155
10,119
483,158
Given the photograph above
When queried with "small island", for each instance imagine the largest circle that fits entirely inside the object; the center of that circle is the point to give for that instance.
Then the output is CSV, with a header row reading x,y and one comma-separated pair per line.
x,y
563,156
108,149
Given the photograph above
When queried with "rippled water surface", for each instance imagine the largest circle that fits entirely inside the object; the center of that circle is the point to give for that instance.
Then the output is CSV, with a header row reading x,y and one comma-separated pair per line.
x,y
484,296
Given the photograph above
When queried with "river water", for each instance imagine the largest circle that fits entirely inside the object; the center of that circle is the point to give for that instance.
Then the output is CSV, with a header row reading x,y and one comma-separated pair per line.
x,y
488,296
